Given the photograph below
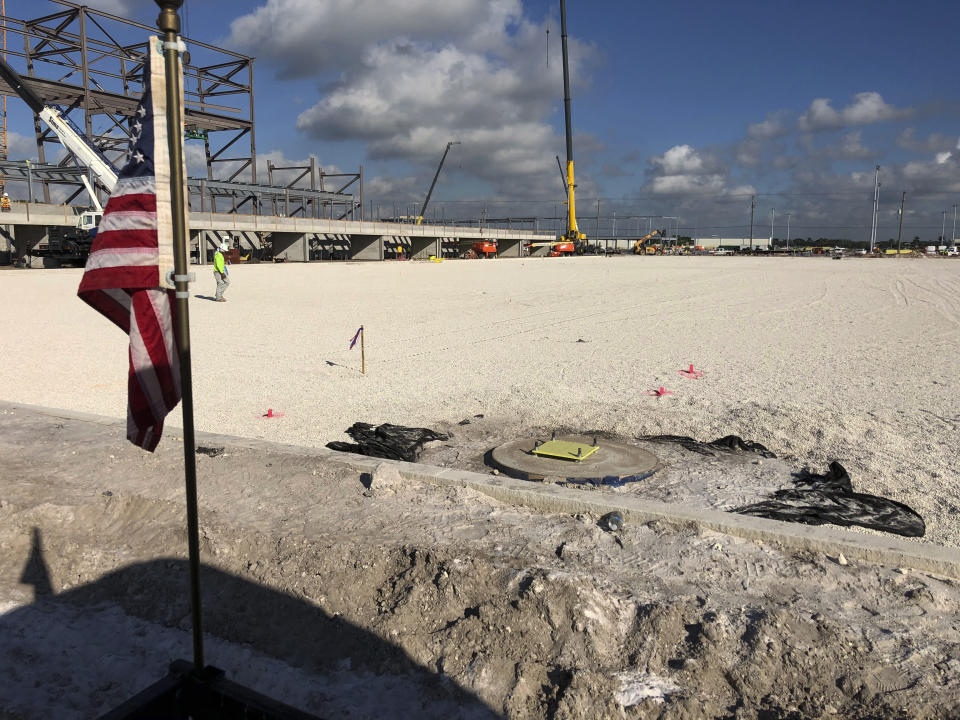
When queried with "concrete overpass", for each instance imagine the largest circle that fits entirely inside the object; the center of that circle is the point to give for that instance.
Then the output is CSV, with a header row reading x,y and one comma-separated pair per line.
x,y
300,239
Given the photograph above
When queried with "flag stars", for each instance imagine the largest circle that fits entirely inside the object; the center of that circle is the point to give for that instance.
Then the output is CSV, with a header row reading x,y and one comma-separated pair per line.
x,y
138,156
141,111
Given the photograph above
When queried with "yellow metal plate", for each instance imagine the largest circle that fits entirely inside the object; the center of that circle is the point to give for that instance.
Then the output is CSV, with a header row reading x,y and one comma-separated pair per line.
x,y
565,450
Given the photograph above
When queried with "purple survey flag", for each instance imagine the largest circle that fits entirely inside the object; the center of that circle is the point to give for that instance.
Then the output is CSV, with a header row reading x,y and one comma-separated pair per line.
x,y
355,337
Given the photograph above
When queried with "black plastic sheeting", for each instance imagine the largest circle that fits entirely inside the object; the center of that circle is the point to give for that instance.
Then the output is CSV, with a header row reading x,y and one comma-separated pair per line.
x,y
830,498
726,444
814,499
393,442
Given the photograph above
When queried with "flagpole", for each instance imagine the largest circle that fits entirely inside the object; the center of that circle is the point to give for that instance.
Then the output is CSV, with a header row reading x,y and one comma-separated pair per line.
x,y
363,353
169,24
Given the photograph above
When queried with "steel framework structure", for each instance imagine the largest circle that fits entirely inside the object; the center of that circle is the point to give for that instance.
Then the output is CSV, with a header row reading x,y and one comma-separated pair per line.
x,y
202,192
328,204
90,63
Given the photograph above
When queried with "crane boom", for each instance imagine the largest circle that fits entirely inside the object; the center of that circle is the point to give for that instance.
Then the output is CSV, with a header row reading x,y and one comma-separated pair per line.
x,y
573,233
81,148
423,210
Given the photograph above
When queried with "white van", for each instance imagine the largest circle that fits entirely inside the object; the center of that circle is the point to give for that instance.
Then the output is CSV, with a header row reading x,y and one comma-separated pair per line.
x,y
953,251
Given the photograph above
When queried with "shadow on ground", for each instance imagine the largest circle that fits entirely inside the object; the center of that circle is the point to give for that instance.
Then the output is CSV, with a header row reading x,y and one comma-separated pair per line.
x,y
262,638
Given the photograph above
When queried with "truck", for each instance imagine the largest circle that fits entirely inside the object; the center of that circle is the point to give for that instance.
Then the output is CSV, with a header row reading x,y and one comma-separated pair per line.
x,y
67,246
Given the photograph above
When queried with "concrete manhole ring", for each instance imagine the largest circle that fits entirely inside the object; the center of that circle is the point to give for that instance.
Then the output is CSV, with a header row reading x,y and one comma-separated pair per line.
x,y
615,462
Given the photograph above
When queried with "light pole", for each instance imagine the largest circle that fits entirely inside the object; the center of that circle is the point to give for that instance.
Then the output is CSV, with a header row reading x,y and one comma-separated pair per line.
x,y
953,233
943,229
876,200
903,199
676,220
773,214
751,222
788,231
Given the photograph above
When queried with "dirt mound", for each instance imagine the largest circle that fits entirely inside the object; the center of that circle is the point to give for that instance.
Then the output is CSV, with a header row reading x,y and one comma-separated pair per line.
x,y
417,601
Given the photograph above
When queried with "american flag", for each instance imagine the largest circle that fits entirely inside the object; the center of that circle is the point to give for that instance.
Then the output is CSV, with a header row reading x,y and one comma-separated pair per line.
x,y
132,251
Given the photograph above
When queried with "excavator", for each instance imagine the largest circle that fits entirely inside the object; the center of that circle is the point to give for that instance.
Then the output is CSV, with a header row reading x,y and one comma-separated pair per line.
x,y
640,247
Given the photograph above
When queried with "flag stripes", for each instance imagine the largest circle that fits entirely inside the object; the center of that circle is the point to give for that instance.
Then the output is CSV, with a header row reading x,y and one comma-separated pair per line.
x,y
122,278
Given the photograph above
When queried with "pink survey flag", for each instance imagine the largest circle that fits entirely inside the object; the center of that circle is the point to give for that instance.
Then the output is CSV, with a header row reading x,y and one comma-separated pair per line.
x,y
125,278
357,335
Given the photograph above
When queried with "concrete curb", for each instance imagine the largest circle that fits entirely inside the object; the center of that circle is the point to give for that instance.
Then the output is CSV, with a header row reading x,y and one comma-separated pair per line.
x,y
890,551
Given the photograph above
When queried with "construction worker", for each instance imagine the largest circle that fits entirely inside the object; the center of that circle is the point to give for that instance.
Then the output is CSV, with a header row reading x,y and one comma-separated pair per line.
x,y
5,203
220,271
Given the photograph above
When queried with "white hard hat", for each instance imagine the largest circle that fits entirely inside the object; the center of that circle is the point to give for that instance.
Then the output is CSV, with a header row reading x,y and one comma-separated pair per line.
x,y
224,245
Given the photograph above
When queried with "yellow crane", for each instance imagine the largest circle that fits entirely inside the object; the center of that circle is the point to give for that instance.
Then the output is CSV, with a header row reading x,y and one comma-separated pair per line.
x,y
573,233
3,98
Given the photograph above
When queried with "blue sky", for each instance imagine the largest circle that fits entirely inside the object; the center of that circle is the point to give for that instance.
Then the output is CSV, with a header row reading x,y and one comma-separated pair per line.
x,y
678,108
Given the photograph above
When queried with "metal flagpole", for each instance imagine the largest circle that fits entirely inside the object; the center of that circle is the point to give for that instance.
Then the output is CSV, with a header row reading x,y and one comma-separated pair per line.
x,y
169,24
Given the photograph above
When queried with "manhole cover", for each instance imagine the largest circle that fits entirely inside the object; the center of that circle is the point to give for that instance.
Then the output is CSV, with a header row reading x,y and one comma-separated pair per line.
x,y
614,462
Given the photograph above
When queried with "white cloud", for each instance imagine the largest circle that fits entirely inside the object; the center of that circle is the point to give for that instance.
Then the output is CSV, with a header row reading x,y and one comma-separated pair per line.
x,y
413,75
867,108
679,159
114,7
772,127
851,147
680,184
935,142
337,33
21,147
683,170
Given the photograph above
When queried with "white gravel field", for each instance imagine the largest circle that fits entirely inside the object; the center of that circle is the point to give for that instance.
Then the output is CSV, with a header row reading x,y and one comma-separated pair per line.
x,y
857,360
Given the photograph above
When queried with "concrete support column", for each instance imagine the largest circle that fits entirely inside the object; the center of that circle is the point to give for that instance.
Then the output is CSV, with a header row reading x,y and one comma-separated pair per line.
x,y
28,237
291,246
509,247
540,251
421,248
366,247
7,246
197,241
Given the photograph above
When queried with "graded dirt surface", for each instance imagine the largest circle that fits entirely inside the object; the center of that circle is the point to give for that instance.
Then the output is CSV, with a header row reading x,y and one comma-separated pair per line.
x,y
856,360
386,597
375,596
